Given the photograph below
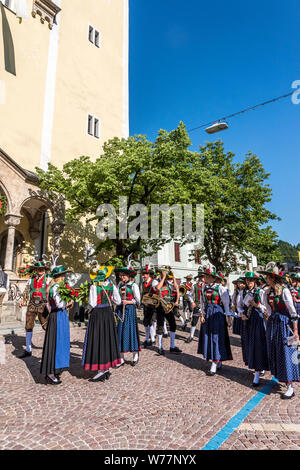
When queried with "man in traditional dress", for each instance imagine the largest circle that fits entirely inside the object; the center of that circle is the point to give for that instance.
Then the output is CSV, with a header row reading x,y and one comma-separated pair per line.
x,y
36,293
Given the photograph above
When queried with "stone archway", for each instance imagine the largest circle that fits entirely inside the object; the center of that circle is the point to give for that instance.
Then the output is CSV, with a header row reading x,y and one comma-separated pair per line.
x,y
25,199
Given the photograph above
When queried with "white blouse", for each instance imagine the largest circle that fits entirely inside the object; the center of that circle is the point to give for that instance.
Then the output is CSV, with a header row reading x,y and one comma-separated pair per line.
x,y
224,294
288,300
59,303
116,299
135,290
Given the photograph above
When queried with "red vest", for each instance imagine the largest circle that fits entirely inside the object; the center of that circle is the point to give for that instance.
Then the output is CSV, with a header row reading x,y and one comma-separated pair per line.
x,y
38,288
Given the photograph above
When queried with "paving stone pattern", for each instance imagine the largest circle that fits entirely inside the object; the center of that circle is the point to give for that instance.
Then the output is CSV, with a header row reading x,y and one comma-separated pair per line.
x,y
163,403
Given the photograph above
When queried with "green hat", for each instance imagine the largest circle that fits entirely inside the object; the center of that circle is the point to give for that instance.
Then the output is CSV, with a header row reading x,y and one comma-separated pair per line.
x,y
189,276
251,275
58,271
129,271
273,271
147,270
240,279
214,274
39,264
103,273
295,276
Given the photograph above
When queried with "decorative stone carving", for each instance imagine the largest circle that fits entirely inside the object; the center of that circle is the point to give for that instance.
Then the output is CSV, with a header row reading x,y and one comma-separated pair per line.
x,y
12,220
47,10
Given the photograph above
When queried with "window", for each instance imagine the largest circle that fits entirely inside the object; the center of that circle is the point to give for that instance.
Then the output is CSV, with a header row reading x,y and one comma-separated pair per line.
x,y
91,34
197,257
96,128
94,36
97,38
177,252
93,127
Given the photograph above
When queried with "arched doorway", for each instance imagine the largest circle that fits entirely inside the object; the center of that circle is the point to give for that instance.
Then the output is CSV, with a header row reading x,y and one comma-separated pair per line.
x,y
18,245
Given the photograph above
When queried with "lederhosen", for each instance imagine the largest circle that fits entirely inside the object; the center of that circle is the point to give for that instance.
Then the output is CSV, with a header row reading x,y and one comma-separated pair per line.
x,y
37,303
198,300
186,300
165,292
149,310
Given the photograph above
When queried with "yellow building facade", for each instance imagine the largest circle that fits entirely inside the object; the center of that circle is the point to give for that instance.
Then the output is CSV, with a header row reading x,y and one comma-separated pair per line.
x,y
63,93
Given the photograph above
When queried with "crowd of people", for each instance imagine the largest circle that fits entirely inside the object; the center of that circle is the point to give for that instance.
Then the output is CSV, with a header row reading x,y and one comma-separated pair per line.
x,y
264,310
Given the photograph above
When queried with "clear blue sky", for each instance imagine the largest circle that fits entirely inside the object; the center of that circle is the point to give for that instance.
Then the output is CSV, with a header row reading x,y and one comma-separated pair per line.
x,y
197,61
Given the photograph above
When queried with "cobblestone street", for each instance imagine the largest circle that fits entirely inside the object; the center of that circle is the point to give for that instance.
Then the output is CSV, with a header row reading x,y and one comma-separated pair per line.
x,y
164,403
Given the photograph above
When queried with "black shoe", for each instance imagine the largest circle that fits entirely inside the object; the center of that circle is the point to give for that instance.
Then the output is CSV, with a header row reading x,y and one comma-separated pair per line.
x,y
175,350
102,377
25,354
189,340
184,326
147,344
134,363
210,373
165,335
161,352
57,376
51,381
255,384
284,397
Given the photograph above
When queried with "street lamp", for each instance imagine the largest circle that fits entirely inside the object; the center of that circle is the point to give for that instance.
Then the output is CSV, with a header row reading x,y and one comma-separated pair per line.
x,y
217,127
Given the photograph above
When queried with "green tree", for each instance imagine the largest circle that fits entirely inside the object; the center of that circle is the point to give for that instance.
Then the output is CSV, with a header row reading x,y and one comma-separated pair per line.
x,y
165,171
234,198
144,172
289,253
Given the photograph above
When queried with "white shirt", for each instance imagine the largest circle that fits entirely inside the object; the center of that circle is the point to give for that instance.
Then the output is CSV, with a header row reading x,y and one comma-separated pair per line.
x,y
115,298
238,297
288,300
135,290
224,294
61,304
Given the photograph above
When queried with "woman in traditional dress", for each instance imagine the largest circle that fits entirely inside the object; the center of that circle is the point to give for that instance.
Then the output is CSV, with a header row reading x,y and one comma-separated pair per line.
x,y
128,332
237,304
101,346
214,341
255,326
56,350
295,291
281,326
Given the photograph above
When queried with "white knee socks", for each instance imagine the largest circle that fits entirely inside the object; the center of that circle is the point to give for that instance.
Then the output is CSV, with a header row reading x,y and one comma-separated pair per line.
x,y
213,367
28,341
193,329
256,377
152,332
160,341
165,328
172,341
147,333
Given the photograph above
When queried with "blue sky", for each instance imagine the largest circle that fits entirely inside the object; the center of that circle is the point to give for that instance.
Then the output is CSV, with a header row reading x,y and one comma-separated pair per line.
x,y
197,61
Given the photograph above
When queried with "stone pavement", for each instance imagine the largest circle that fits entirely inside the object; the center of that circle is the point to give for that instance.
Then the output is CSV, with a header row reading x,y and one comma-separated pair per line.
x,y
164,403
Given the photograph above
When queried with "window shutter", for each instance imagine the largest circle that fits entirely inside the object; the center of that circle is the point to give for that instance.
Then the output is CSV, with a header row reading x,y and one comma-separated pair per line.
x,y
177,252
